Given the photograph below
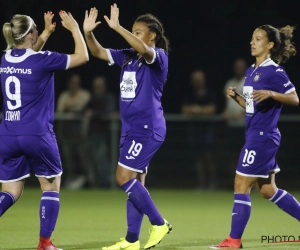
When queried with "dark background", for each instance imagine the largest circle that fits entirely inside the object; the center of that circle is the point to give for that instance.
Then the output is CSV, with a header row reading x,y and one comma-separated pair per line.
x,y
203,34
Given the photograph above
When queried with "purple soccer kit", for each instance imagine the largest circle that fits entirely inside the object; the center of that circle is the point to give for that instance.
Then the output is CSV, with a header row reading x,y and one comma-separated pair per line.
x,y
26,131
143,123
257,157
143,129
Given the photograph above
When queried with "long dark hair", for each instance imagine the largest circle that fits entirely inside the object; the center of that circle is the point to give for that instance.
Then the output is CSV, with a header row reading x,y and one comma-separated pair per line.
x,y
154,25
283,47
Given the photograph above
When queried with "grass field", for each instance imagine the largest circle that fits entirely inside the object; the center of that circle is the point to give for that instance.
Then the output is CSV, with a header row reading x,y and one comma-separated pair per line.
x,y
91,219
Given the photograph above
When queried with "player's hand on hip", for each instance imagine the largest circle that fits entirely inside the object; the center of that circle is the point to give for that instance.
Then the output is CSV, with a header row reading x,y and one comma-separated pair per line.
x,y
260,95
68,21
49,26
113,22
230,92
90,23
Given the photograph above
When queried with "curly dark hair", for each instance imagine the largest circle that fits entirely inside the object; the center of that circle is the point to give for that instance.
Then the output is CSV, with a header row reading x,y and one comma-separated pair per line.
x,y
283,47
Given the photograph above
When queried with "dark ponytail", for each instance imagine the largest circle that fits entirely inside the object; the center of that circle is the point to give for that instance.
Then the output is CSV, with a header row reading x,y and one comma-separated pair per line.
x,y
154,25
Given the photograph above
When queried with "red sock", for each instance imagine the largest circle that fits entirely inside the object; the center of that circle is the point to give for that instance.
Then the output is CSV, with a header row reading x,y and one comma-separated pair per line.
x,y
44,240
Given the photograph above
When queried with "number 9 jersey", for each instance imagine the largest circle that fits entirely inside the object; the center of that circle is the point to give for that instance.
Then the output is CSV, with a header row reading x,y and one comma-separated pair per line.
x,y
27,82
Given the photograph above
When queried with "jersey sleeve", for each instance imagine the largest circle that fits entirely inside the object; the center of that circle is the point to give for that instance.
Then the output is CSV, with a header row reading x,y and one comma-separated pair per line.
x,y
281,82
55,61
116,56
160,58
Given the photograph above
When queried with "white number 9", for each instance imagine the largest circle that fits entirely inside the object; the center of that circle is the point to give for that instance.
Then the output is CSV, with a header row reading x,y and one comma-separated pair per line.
x,y
13,96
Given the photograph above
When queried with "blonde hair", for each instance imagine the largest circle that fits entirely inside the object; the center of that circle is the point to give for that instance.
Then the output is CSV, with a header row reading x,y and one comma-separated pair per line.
x,y
15,31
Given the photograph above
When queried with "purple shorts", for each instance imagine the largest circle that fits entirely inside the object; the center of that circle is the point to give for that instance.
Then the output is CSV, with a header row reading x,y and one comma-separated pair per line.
x,y
257,159
19,154
136,153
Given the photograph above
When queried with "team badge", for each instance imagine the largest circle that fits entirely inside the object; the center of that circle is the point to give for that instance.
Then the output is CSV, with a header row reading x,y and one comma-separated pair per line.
x,y
256,77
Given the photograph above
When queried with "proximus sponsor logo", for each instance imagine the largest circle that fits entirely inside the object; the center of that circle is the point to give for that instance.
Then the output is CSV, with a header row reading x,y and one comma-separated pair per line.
x,y
13,70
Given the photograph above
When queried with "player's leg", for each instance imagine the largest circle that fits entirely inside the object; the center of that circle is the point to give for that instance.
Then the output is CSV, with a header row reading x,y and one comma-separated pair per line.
x,y
49,209
10,193
14,168
240,212
135,156
251,166
285,201
134,216
43,155
141,199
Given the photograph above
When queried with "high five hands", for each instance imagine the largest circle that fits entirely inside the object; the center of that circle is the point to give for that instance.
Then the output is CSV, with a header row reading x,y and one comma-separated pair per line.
x,y
49,26
113,22
68,21
90,23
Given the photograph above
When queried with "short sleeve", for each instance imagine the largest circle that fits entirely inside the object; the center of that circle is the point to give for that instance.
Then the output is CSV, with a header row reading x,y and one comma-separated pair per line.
x,y
52,61
116,56
160,58
281,82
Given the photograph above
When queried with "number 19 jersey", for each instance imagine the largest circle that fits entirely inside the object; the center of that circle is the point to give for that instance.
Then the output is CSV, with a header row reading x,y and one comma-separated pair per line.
x,y
27,82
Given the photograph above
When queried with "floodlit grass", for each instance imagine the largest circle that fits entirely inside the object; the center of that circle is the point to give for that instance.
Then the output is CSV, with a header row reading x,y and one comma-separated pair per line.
x,y
91,219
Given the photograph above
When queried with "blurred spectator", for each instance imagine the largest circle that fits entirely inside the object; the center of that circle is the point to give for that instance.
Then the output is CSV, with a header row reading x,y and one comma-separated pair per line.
x,y
200,101
101,107
234,114
72,102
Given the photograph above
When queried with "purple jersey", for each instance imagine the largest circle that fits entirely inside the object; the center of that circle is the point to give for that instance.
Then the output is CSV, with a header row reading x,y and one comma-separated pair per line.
x,y
27,82
141,87
261,118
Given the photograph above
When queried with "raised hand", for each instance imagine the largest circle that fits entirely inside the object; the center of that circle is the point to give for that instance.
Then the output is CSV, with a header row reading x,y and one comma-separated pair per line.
x,y
113,22
90,23
68,21
49,26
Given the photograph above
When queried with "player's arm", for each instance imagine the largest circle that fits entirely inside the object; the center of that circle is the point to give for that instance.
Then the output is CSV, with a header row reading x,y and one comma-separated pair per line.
x,y
89,25
288,98
137,44
80,55
238,98
49,29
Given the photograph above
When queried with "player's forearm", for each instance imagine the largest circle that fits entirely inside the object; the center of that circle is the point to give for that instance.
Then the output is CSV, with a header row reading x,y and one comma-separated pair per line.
x,y
42,39
137,44
80,55
95,47
287,99
239,100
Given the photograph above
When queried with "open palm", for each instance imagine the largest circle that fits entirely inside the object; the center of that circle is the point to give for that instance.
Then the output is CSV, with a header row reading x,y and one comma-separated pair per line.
x,y
49,26
90,23
113,22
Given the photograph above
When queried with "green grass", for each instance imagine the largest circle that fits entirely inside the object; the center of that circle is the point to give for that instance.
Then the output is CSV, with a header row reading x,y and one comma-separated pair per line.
x,y
91,219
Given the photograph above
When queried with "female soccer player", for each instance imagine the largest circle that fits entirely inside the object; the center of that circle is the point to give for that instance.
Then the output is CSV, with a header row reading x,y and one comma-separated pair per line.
x,y
143,74
267,87
26,131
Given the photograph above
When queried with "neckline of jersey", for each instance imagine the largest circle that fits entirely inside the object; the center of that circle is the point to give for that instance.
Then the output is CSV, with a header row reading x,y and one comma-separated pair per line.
x,y
263,63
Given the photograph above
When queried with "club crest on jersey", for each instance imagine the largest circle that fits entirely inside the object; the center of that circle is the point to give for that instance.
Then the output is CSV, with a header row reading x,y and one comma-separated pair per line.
x,y
256,77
